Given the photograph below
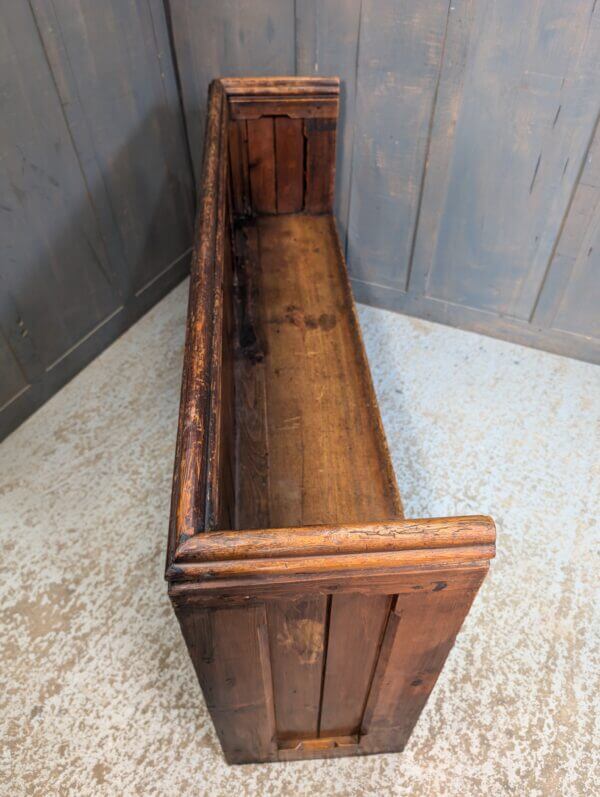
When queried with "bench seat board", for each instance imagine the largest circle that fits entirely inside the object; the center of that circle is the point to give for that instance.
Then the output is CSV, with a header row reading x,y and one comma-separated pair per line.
x,y
317,617
321,443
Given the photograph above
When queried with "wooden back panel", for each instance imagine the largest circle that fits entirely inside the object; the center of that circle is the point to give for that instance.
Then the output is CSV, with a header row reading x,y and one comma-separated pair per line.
x,y
282,147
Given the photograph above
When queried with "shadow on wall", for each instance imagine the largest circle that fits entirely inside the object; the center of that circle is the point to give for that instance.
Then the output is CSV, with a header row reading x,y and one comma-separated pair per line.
x,y
88,248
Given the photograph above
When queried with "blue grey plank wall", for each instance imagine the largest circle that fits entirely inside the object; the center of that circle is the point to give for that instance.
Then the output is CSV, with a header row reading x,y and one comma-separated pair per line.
x,y
96,189
467,188
468,181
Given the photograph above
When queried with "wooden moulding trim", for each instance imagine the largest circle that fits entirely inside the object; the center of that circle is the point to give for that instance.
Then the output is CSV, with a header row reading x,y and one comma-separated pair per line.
x,y
305,565
280,86
395,535
260,554
409,580
191,461
294,107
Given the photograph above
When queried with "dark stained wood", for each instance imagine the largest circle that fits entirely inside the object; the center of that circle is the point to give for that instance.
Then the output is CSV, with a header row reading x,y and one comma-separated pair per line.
x,y
419,635
289,155
238,165
317,617
229,649
261,164
320,165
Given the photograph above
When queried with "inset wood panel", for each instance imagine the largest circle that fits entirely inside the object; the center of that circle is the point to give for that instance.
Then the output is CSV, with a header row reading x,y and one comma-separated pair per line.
x,y
419,635
289,148
230,653
238,165
261,164
297,631
356,627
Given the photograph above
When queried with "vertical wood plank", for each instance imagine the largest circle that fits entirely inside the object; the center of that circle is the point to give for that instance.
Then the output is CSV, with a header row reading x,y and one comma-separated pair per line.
x,y
355,631
297,641
252,477
570,295
419,635
400,52
320,165
498,185
289,149
238,165
228,648
261,164
130,140
95,179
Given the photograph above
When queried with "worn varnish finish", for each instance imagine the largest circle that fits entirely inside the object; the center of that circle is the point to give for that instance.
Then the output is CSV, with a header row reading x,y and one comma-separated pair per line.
x,y
317,617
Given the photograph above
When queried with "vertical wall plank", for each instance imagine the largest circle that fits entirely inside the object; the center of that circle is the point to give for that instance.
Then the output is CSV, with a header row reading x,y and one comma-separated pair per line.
x,y
327,43
289,153
13,381
58,273
240,38
499,182
97,193
111,67
400,53
261,164
570,297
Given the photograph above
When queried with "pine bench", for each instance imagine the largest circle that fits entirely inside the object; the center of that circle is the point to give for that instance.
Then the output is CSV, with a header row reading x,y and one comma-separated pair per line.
x,y
317,617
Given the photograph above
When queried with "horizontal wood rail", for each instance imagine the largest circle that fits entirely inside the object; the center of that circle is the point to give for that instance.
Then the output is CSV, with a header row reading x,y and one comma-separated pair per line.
x,y
396,535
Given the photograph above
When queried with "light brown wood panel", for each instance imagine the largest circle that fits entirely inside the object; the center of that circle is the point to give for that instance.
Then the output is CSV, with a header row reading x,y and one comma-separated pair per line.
x,y
356,627
238,166
419,635
319,411
297,635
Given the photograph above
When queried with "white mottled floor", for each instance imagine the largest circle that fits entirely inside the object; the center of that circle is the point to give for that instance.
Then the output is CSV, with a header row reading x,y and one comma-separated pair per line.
x,y
97,695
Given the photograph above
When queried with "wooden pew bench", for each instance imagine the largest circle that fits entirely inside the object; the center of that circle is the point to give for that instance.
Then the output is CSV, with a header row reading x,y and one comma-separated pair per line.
x,y
317,617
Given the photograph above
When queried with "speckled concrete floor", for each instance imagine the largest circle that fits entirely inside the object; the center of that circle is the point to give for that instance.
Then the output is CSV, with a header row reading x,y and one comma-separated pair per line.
x,y
97,693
